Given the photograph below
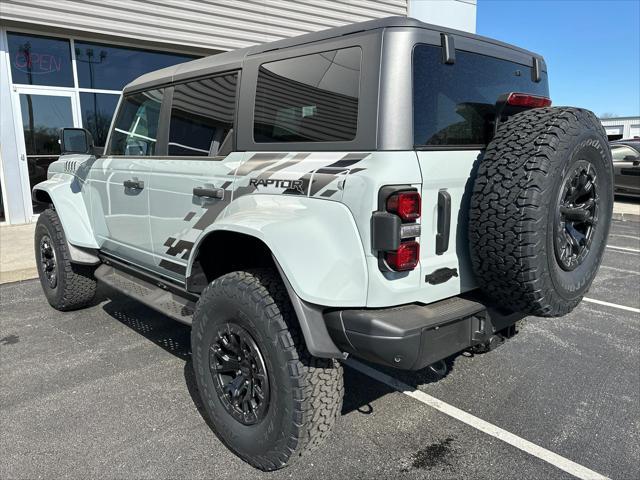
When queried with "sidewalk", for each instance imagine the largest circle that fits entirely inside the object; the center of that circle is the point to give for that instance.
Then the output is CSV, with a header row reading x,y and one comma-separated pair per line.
x,y
17,260
626,209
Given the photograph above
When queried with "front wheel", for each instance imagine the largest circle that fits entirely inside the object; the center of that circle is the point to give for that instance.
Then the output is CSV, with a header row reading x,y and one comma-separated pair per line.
x,y
67,286
269,400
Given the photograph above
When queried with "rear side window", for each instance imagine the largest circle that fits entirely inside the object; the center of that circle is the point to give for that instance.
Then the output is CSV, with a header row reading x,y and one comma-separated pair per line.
x,y
202,114
454,105
136,128
313,98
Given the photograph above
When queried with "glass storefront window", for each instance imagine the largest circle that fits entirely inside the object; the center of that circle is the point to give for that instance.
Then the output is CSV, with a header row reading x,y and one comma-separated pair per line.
x,y
97,110
42,118
37,60
111,68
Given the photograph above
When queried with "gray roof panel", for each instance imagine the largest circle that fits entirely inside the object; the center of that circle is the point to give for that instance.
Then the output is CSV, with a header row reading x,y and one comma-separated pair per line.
x,y
233,59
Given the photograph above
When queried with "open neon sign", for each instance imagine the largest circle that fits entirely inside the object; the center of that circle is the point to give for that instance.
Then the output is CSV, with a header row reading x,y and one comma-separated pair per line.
x,y
37,63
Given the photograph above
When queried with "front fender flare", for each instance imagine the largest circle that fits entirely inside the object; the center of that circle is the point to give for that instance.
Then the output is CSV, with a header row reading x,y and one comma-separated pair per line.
x,y
65,191
315,242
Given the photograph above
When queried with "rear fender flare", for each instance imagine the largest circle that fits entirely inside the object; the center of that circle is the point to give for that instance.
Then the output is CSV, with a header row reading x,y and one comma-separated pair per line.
x,y
315,242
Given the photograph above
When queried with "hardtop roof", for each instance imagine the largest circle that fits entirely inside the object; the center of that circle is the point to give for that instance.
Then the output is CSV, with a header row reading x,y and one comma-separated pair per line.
x,y
233,59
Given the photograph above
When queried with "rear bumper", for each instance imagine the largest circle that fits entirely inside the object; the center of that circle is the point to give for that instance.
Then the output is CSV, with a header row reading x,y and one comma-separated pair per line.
x,y
411,337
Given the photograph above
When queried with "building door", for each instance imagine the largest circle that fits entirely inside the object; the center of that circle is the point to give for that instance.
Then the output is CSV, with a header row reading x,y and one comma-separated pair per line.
x,y
42,113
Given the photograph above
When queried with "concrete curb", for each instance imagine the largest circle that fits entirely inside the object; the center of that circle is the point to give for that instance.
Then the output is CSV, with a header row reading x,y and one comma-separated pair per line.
x,y
626,217
11,276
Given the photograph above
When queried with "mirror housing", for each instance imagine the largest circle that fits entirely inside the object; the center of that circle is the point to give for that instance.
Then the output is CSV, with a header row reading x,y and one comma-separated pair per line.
x,y
76,140
630,158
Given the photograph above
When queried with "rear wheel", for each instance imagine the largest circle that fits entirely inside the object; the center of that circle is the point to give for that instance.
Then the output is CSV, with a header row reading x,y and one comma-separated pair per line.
x,y
541,210
67,286
269,400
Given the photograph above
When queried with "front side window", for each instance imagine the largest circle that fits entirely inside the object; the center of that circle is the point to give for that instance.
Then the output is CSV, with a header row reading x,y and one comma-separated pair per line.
x,y
620,152
202,114
38,60
313,98
135,132
454,105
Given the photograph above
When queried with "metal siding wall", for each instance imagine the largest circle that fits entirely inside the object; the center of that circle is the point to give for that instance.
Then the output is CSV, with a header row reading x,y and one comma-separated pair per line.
x,y
626,125
208,24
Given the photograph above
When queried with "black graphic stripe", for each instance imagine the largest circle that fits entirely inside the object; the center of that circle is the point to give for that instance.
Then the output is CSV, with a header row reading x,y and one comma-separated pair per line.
x,y
173,267
259,161
328,193
325,175
179,247
189,216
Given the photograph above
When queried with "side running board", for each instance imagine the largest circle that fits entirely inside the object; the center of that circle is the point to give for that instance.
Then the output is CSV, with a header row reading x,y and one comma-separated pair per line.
x,y
157,297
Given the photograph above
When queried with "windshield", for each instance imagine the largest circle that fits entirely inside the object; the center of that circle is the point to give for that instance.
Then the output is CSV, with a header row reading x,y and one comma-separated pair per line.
x,y
454,105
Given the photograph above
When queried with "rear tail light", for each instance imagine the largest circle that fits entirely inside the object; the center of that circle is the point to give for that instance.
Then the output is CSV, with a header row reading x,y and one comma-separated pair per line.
x,y
405,204
405,257
526,100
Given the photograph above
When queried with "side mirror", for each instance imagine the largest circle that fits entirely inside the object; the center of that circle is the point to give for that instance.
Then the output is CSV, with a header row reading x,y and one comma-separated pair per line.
x,y
630,158
75,140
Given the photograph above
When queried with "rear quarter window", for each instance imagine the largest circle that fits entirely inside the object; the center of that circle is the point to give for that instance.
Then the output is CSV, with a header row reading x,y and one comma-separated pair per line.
x,y
312,98
454,105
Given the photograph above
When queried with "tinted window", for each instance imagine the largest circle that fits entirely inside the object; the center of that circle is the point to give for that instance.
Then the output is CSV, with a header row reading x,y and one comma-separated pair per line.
x,y
455,104
313,98
37,60
111,68
97,110
202,115
620,152
136,128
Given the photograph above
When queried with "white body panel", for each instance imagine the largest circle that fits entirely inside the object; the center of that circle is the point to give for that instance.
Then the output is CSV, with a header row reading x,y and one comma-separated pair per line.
x,y
320,235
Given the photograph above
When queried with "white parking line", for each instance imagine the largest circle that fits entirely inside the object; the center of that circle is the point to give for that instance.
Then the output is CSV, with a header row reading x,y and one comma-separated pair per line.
x,y
614,305
624,249
548,456
621,270
624,236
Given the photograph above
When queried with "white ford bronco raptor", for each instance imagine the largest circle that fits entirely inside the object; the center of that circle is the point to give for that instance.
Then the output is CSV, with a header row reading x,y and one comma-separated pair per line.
x,y
391,190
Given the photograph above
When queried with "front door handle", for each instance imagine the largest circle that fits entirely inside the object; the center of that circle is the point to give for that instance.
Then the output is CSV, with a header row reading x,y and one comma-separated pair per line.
x,y
217,193
133,184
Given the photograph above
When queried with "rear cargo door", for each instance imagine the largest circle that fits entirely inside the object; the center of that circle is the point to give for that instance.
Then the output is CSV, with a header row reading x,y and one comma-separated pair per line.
x,y
453,119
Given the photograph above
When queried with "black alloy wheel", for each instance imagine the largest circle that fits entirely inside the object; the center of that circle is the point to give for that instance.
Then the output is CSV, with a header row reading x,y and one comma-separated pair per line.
x,y
48,261
239,374
576,215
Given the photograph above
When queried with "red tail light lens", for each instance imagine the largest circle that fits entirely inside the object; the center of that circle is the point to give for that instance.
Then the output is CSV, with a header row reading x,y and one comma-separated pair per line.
x,y
405,204
405,258
526,100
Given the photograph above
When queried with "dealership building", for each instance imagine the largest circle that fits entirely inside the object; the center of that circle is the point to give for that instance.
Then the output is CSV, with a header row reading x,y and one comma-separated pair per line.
x,y
64,63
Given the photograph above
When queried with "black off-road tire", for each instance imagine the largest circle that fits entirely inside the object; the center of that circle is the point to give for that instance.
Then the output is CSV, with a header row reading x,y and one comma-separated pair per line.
x,y
305,392
75,284
515,214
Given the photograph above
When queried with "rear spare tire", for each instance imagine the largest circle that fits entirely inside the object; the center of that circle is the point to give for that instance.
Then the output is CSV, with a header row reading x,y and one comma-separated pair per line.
x,y
541,210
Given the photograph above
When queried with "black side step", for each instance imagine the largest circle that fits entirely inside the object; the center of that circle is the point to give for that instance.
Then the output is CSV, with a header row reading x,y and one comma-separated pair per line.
x,y
155,296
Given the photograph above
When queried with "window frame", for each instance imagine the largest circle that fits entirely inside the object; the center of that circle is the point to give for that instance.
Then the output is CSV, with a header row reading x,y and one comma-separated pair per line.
x,y
370,44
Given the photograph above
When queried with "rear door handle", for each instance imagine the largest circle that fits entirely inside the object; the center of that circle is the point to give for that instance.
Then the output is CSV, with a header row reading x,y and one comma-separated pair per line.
x,y
217,193
134,184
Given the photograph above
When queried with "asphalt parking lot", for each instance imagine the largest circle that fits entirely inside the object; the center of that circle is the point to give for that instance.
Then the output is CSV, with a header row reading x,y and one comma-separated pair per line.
x,y
108,392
